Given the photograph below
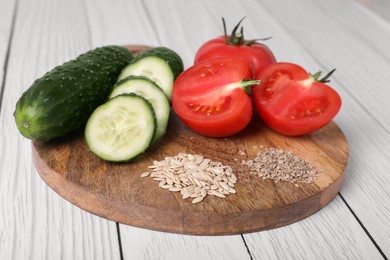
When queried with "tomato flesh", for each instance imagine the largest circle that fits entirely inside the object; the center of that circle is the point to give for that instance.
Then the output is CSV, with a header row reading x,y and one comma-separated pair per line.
x,y
291,102
255,55
209,97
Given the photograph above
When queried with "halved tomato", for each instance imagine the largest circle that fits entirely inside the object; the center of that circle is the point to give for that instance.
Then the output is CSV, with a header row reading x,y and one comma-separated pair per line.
x,y
293,102
210,97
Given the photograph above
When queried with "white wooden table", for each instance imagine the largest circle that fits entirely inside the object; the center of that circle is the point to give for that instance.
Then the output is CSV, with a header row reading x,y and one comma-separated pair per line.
x,y
352,36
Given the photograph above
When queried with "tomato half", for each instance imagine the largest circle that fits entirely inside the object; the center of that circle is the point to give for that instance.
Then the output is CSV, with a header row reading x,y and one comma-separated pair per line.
x,y
293,102
256,55
210,97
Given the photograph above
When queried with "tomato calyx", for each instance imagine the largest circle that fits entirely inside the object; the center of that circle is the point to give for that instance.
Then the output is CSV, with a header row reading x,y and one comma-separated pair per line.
x,y
237,37
325,79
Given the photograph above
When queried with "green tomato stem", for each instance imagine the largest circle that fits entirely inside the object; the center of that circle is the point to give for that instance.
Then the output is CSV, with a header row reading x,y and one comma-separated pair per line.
x,y
247,84
225,32
250,42
237,37
325,79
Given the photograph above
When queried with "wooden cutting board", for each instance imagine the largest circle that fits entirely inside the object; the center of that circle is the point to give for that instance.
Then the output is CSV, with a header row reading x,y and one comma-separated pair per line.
x,y
117,192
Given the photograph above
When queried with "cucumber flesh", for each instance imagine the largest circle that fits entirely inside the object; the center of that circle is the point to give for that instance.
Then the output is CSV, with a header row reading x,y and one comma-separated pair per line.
x,y
154,68
148,89
121,129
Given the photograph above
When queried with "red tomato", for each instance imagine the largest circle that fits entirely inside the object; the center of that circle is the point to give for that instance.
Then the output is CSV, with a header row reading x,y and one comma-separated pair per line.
x,y
293,102
210,97
256,55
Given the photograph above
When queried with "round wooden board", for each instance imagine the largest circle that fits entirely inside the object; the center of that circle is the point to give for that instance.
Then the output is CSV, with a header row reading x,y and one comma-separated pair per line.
x,y
117,192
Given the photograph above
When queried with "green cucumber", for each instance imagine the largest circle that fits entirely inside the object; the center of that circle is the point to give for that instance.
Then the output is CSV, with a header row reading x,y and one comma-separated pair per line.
x,y
148,89
62,100
160,64
122,128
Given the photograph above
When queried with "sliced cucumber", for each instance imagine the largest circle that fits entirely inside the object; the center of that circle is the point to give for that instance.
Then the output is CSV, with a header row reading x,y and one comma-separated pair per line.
x,y
160,64
121,128
153,93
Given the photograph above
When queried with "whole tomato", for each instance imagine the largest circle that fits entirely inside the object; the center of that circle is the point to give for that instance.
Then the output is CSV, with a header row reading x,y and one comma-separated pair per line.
x,y
254,54
211,97
293,102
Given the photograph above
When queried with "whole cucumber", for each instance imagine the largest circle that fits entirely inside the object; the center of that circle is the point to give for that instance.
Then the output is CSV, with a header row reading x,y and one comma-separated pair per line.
x,y
63,99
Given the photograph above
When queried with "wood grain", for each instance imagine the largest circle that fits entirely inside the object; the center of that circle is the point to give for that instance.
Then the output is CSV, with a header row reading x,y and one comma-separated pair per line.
x,y
303,240
364,116
35,222
116,191
146,244
38,224
5,36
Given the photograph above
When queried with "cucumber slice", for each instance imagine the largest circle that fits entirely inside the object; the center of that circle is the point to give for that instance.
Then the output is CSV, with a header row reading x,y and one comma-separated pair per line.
x,y
160,64
148,89
121,129
154,68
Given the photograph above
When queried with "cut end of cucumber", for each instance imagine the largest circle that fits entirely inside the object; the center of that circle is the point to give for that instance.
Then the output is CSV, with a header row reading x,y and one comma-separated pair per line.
x,y
29,122
153,68
121,129
148,89
23,122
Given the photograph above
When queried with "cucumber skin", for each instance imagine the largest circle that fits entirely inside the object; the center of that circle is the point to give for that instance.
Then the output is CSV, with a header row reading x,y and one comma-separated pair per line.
x,y
172,58
63,99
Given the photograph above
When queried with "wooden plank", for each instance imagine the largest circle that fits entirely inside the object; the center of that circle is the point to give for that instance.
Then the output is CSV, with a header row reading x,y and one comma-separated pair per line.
x,y
364,158
6,18
368,152
140,243
380,7
258,23
185,32
145,244
356,43
349,38
340,240
184,29
120,22
35,222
